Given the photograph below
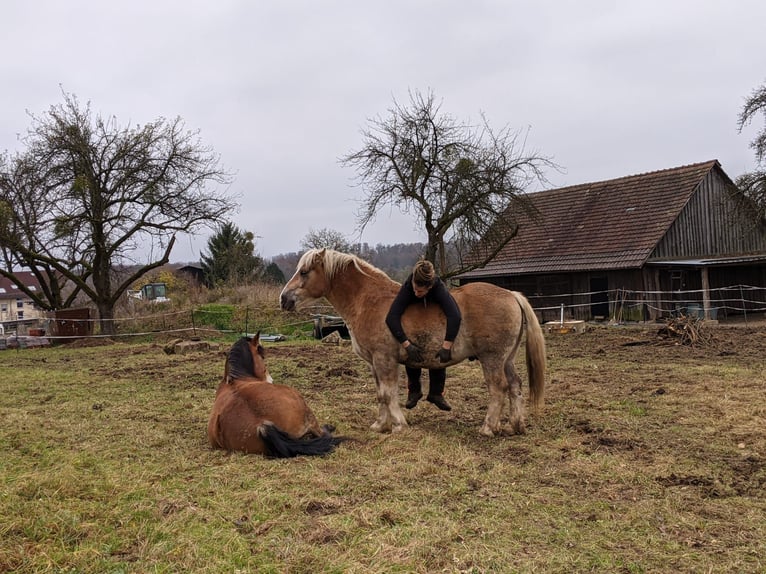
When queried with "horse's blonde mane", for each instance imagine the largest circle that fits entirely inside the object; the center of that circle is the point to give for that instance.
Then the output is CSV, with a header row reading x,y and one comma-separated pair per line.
x,y
336,261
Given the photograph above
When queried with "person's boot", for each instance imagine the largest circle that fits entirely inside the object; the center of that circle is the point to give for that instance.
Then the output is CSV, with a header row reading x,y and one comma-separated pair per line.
x,y
412,399
436,378
439,402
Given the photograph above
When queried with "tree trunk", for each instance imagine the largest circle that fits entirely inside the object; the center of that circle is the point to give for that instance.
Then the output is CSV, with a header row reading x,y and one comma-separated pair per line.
x,y
431,251
106,318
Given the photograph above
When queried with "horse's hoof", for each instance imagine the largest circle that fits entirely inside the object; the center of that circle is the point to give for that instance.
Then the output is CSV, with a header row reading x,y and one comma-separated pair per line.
x,y
486,431
377,426
512,429
398,428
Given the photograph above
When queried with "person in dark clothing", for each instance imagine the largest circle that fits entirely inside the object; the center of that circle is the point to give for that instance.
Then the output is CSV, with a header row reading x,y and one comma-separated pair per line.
x,y
424,286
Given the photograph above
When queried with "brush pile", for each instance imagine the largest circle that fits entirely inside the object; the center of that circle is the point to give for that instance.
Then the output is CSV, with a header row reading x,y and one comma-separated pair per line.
x,y
684,330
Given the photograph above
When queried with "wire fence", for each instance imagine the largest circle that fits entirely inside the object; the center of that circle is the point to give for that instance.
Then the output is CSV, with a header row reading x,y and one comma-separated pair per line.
x,y
205,320
621,305
633,305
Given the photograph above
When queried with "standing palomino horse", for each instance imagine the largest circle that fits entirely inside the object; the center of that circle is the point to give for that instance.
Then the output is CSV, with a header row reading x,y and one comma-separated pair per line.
x,y
253,415
494,320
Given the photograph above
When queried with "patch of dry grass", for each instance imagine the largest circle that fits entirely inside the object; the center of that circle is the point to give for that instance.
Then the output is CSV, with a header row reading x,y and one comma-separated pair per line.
x,y
647,458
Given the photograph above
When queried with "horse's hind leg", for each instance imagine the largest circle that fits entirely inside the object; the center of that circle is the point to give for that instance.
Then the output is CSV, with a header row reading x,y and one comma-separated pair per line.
x,y
517,401
497,385
311,425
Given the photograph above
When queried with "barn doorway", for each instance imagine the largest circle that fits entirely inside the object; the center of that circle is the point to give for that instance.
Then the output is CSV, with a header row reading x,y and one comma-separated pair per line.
x,y
599,298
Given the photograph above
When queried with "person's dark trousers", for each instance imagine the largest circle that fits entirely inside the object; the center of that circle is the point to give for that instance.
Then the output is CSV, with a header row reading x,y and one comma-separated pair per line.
x,y
413,379
436,379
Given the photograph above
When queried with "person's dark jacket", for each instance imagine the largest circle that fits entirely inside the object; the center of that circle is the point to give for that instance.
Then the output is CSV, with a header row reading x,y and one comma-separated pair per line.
x,y
438,294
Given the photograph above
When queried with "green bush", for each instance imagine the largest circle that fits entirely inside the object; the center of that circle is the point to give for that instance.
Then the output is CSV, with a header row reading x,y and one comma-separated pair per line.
x,y
215,315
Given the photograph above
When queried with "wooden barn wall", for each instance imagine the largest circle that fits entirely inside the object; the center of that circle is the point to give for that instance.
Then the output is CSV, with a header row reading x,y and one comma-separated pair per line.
x,y
734,290
546,292
677,288
738,290
711,224
626,297
640,295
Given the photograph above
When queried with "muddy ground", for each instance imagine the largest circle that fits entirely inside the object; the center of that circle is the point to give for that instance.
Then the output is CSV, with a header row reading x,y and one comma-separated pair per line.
x,y
695,413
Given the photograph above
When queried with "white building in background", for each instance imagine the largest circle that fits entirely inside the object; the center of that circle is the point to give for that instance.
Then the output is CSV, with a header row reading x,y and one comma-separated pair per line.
x,y
15,305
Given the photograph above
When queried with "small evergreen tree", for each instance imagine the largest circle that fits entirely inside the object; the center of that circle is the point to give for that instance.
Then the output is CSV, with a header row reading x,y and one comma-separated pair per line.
x,y
273,274
230,257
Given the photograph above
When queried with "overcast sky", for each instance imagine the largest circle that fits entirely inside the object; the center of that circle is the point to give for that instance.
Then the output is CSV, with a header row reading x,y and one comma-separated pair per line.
x,y
281,89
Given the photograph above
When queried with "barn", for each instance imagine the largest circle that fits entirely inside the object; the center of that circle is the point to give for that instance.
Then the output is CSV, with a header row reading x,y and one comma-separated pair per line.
x,y
640,247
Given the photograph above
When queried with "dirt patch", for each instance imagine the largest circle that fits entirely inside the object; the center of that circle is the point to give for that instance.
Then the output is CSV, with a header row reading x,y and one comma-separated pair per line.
x,y
88,342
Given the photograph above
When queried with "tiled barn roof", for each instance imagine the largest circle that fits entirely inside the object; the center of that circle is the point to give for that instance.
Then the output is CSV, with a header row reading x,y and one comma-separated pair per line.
x,y
612,224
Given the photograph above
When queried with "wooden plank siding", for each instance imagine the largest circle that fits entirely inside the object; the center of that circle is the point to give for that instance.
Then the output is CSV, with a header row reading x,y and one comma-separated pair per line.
x,y
711,224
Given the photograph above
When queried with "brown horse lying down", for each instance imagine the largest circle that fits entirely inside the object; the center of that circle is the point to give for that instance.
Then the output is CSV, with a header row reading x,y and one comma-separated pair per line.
x,y
253,415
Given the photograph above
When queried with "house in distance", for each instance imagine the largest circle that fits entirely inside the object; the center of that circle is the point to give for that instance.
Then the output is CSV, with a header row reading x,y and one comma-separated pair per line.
x,y
15,305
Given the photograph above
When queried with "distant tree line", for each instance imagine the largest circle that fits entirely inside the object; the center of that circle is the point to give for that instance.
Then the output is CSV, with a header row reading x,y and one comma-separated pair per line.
x,y
395,260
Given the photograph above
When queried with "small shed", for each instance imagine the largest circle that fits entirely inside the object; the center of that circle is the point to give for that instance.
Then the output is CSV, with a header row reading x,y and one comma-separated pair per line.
x,y
71,323
193,272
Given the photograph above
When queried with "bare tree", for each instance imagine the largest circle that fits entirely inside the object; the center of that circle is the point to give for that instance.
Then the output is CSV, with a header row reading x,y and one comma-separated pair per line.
x,y
753,184
87,195
23,204
454,177
325,237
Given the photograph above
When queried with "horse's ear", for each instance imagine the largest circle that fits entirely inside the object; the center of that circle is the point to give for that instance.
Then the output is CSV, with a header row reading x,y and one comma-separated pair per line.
x,y
321,253
256,339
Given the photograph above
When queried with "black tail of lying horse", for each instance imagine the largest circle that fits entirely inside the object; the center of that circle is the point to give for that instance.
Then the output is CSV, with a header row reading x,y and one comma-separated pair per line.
x,y
281,445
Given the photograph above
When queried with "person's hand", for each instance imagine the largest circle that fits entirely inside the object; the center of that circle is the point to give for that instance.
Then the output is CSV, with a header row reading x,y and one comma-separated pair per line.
x,y
445,355
414,355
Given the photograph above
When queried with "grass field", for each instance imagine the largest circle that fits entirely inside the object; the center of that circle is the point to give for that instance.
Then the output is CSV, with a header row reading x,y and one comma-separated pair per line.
x,y
649,457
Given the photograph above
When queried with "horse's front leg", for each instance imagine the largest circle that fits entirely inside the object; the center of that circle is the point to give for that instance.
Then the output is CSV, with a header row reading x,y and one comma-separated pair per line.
x,y
390,416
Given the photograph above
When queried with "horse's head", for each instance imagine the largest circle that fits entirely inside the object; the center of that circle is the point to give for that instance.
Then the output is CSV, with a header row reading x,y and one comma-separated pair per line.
x,y
246,360
309,282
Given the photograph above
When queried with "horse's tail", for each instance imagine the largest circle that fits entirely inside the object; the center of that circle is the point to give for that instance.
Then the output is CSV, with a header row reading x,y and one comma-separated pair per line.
x,y
279,444
535,354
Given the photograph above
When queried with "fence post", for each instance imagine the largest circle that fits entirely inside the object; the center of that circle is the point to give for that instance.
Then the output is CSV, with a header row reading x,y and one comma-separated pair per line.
x,y
744,305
